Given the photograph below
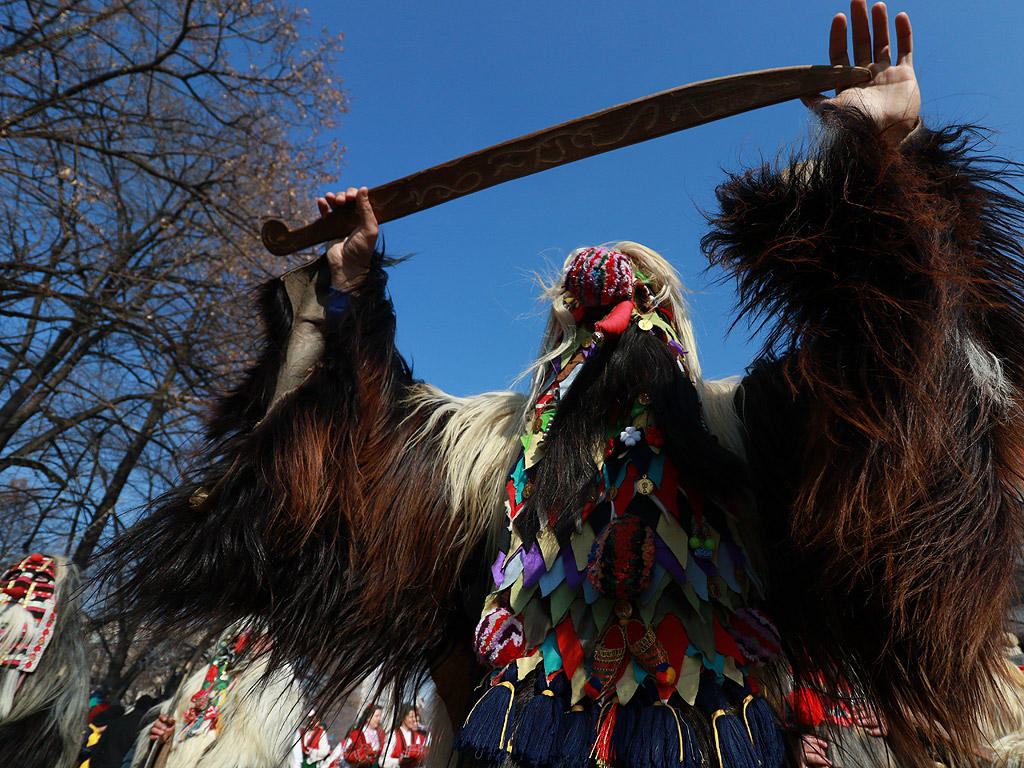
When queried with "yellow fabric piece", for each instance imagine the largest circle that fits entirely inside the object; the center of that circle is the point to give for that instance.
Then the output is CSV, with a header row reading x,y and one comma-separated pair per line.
x,y
94,736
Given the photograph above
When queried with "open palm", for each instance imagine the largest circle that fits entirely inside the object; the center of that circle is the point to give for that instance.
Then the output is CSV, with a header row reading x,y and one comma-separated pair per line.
x,y
892,98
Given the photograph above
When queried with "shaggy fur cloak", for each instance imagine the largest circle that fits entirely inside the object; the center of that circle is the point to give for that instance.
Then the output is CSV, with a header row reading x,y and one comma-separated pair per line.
x,y
884,420
257,729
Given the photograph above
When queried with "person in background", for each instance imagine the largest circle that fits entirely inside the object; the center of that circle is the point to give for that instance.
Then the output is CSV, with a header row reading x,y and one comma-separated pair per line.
x,y
364,743
313,745
95,733
407,747
226,713
119,736
44,672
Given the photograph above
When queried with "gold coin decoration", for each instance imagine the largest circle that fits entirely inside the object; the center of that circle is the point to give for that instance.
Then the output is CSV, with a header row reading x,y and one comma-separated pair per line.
x,y
623,609
612,493
714,591
528,490
645,324
645,485
644,399
538,424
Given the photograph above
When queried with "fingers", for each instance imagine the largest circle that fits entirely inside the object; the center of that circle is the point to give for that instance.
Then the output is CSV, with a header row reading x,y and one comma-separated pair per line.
x,y
334,200
904,40
870,33
861,33
366,215
837,54
868,718
813,751
880,30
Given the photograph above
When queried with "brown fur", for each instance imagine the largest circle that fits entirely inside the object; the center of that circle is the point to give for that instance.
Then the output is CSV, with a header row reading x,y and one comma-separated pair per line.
x,y
891,278
332,530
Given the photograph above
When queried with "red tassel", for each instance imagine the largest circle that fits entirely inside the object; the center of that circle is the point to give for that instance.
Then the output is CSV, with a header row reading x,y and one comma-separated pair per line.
x,y
617,320
602,751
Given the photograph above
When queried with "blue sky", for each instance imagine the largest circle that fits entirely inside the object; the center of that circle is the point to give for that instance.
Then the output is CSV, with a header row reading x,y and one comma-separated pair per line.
x,y
431,81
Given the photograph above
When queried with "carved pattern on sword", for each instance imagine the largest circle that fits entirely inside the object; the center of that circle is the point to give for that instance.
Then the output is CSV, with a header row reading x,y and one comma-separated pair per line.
x,y
620,126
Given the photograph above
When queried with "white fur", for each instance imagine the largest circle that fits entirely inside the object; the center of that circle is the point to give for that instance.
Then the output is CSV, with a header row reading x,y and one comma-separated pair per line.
x,y
259,720
60,683
478,443
986,369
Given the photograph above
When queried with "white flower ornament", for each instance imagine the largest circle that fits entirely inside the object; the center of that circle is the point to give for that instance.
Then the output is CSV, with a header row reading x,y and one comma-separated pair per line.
x,y
630,436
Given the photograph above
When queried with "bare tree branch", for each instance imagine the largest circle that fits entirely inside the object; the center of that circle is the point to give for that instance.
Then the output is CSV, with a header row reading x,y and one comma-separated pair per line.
x,y
141,142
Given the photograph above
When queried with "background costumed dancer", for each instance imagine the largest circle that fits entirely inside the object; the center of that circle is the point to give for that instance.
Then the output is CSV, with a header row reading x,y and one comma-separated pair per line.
x,y
230,712
407,747
652,538
44,673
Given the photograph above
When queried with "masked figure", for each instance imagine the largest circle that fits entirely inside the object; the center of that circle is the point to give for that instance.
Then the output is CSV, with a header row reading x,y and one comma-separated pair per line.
x,y
231,712
44,674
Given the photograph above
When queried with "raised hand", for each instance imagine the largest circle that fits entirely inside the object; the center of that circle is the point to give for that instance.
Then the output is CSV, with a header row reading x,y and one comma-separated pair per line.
x,y
892,98
349,259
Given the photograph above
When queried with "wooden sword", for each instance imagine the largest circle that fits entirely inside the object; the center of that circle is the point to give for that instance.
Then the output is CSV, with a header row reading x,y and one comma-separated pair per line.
x,y
629,123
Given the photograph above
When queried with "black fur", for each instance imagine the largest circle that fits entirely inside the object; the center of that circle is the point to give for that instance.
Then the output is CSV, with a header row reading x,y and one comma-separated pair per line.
x,y
608,384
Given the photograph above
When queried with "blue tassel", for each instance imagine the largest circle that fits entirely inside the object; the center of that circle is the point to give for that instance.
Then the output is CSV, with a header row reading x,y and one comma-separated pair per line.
x,y
625,727
732,742
710,697
578,726
537,732
691,757
656,741
764,731
488,728
663,739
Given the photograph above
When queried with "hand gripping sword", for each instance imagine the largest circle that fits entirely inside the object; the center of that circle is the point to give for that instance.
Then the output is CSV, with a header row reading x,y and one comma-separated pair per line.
x,y
612,128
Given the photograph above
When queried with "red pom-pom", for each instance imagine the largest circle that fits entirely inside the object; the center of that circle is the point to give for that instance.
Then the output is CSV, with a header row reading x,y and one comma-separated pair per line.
x,y
654,436
15,592
35,557
617,320
498,638
808,709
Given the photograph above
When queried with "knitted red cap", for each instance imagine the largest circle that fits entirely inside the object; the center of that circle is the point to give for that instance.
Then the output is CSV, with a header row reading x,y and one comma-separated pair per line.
x,y
599,276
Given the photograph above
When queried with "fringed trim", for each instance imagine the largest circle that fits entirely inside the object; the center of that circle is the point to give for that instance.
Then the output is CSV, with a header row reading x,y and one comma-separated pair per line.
x,y
486,732
540,733
733,745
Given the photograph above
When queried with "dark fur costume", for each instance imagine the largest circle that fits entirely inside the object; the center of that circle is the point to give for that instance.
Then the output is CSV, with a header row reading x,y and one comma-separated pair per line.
x,y
884,440
322,519
884,418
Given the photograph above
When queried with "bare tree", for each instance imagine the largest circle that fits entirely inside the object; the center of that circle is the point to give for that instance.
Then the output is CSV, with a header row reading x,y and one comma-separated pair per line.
x,y
141,142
